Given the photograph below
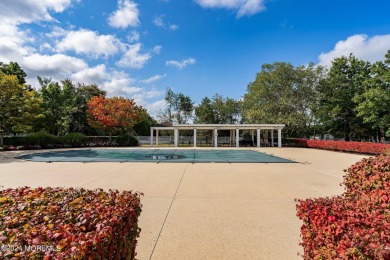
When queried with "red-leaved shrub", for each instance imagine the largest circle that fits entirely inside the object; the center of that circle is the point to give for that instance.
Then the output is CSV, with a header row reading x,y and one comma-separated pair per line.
x,y
58,223
357,147
355,225
367,175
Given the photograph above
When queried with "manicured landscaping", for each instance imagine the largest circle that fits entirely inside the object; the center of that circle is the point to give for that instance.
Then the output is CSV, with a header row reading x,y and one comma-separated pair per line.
x,y
59,223
354,225
43,139
357,147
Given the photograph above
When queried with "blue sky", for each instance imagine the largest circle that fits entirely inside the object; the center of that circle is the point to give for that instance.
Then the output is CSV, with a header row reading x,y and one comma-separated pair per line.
x,y
199,47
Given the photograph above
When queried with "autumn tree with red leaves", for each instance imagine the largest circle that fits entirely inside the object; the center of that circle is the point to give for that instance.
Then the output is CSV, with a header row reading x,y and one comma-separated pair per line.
x,y
113,114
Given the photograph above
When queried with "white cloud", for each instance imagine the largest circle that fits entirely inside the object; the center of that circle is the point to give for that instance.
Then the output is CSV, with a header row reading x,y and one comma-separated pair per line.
x,y
158,21
57,32
116,83
243,7
121,86
27,11
28,48
133,37
90,43
154,78
46,47
126,15
57,66
155,107
146,94
13,41
133,58
180,64
173,27
365,48
94,75
157,49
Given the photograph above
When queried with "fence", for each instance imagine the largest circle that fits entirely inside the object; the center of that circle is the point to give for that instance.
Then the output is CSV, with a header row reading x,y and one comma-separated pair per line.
x,y
184,140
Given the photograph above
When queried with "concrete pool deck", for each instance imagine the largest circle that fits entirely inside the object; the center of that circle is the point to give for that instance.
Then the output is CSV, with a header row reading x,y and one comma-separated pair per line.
x,y
205,210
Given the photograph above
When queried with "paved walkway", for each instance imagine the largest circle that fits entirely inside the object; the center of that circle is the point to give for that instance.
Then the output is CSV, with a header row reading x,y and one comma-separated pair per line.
x,y
205,210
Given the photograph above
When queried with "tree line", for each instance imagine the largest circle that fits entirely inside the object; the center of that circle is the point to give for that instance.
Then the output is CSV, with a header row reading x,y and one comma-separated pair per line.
x,y
350,100
64,107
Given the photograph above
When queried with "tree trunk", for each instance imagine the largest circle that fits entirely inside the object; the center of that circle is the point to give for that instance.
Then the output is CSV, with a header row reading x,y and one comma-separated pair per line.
x,y
1,136
378,135
346,132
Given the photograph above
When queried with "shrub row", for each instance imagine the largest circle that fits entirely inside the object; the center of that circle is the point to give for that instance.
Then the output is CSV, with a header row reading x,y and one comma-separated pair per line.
x,y
358,147
354,225
68,223
45,140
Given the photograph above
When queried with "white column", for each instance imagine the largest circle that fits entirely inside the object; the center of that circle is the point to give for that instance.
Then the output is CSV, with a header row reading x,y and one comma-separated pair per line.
x,y
279,137
253,135
156,137
212,137
215,137
258,137
151,136
237,137
195,137
272,138
176,137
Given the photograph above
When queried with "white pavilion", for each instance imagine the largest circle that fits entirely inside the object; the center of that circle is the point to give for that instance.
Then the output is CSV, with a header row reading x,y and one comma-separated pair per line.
x,y
234,132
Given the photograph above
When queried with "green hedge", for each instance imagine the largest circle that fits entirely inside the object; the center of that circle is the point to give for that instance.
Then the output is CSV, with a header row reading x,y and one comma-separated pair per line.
x,y
126,140
73,139
40,138
46,140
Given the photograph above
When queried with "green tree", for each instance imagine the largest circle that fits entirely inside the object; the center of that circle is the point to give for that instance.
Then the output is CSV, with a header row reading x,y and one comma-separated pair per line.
x,y
83,94
219,110
337,106
178,108
13,68
204,112
20,106
144,124
373,105
55,114
283,94
65,106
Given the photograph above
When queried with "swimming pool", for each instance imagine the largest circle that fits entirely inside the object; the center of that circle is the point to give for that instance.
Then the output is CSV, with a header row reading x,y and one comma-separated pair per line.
x,y
155,155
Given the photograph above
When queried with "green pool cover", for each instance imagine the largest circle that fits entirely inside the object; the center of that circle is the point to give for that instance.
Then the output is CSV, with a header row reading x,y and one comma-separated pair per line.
x,y
155,155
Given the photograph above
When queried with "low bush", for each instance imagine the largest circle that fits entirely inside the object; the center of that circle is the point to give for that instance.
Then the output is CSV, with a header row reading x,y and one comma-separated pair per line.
x,y
367,175
43,139
69,223
73,139
354,225
338,228
358,147
126,140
